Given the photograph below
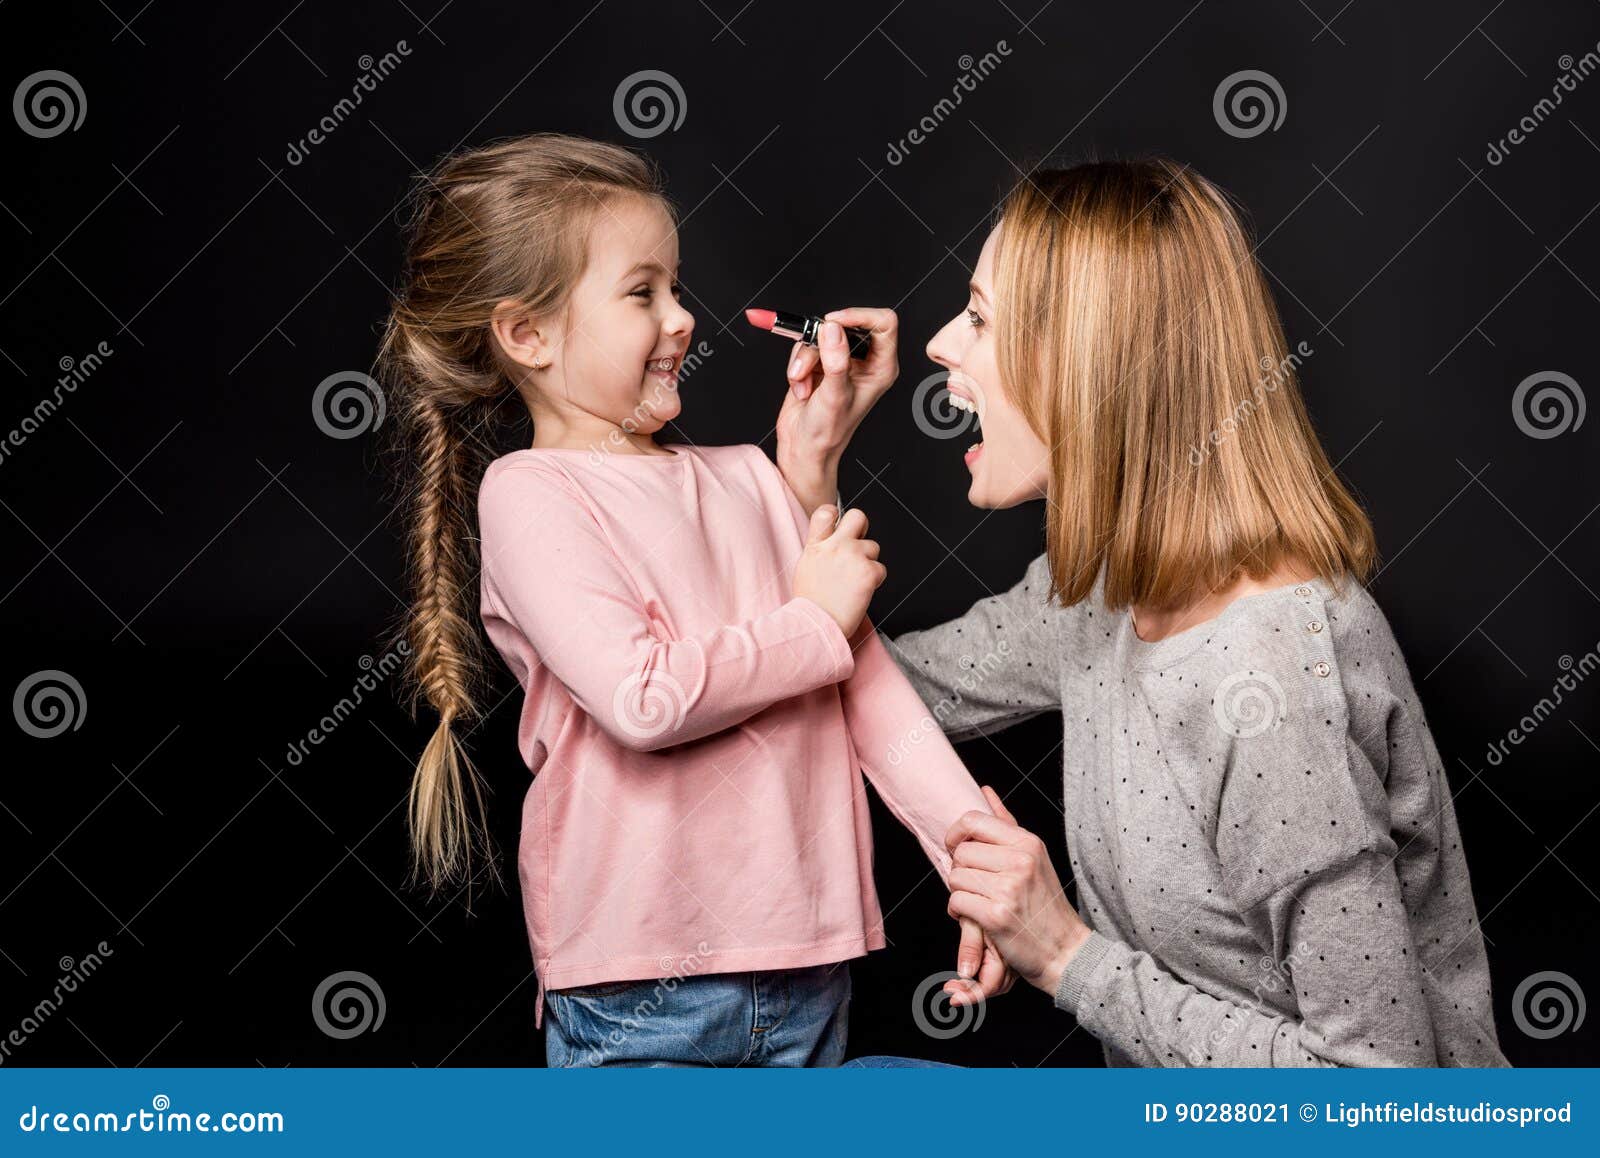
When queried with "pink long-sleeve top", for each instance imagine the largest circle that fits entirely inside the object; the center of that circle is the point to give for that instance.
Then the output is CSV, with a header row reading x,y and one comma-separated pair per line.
x,y
694,730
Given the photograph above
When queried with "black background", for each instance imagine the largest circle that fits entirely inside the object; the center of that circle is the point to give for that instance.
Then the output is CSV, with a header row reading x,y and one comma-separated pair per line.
x,y
211,568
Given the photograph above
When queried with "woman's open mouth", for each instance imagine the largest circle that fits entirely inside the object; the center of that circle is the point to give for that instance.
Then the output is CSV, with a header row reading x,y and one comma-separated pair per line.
x,y
962,402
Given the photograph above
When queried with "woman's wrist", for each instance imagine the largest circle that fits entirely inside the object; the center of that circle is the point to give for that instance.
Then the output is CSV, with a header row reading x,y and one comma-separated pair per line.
x,y
814,480
1076,937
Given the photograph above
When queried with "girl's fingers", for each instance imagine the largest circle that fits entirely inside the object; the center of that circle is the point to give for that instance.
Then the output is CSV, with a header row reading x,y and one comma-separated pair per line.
x,y
969,953
992,974
870,548
852,525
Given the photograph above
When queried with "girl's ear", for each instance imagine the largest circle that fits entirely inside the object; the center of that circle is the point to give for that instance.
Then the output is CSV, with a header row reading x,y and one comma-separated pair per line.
x,y
522,337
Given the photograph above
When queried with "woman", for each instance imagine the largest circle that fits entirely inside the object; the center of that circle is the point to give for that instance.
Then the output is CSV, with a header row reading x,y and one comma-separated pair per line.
x,y
1268,864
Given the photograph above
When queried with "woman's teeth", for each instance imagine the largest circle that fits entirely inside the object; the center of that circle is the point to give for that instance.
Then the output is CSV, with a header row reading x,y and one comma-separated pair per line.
x,y
663,365
963,403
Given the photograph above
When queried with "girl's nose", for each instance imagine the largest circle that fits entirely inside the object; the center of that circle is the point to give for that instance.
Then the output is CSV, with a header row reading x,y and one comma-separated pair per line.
x,y
678,320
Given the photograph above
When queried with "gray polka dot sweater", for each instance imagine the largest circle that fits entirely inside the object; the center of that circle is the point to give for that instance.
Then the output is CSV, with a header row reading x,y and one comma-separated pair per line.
x,y
1257,820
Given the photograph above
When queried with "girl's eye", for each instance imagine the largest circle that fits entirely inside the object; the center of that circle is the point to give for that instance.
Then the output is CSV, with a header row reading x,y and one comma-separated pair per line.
x,y
974,318
642,292
677,290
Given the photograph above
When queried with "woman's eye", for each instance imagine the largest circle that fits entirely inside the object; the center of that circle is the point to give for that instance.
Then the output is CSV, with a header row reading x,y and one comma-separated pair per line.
x,y
974,318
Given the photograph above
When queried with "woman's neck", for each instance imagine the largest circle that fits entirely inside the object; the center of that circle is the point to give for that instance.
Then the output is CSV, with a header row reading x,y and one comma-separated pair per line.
x,y
1152,624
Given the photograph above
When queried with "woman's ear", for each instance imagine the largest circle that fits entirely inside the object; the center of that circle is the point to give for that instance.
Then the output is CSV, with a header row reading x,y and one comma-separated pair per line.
x,y
521,336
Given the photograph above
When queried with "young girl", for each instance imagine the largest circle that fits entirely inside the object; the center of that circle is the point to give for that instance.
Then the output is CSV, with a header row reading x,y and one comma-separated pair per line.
x,y
701,684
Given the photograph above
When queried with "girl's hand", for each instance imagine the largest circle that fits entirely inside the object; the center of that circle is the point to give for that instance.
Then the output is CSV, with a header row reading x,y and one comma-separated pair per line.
x,y
839,568
984,973
828,397
1003,880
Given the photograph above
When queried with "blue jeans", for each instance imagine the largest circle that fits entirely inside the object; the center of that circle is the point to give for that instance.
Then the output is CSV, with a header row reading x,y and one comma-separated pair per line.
x,y
779,1017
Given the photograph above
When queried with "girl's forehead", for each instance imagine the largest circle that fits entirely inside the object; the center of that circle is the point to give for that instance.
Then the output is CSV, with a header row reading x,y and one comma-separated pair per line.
x,y
630,231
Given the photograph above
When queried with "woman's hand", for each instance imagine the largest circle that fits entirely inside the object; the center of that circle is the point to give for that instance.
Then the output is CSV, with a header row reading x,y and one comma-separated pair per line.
x,y
1003,880
828,397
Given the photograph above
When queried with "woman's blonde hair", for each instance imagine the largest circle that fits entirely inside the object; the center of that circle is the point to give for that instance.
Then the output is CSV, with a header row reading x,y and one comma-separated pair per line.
x,y
508,221
1138,337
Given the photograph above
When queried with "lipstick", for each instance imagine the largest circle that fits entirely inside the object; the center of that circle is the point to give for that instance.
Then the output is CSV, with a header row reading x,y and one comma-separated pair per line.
x,y
807,329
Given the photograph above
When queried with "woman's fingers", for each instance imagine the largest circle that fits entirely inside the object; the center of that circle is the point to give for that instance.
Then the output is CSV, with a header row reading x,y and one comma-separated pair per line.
x,y
802,363
998,805
979,881
879,321
994,858
982,826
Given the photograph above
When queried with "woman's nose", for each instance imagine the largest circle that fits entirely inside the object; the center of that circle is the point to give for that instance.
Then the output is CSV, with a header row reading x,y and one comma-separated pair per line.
x,y
941,348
